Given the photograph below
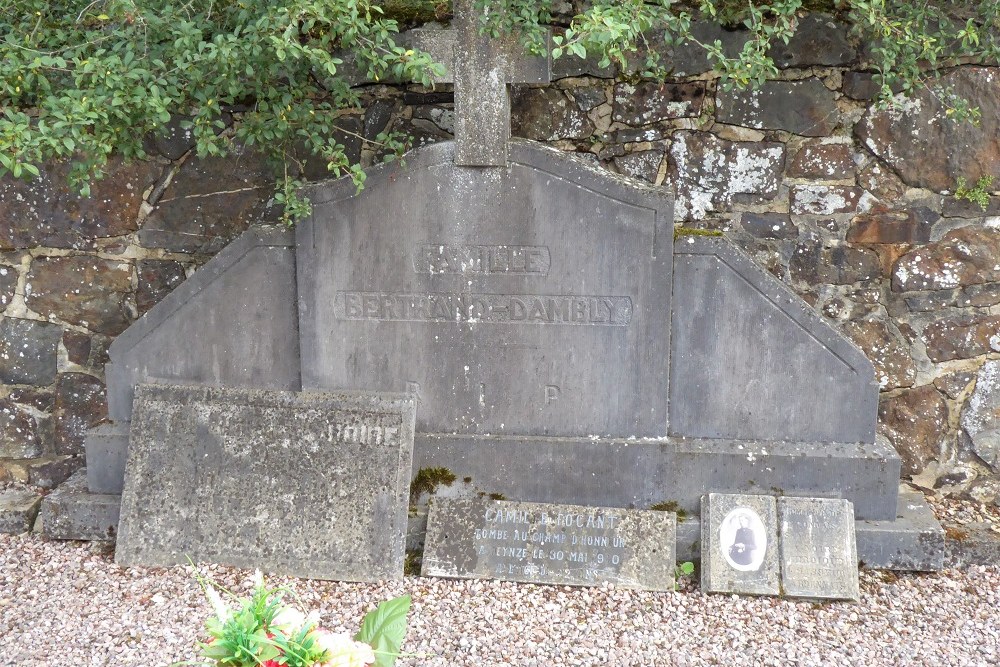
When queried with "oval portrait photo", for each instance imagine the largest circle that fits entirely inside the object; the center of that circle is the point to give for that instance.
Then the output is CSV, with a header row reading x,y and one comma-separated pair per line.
x,y
743,540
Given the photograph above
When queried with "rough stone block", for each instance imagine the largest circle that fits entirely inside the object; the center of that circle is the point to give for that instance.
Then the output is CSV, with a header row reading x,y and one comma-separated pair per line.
x,y
46,211
819,557
233,323
18,508
713,174
80,403
28,351
788,377
675,471
311,484
937,158
46,472
19,432
803,107
106,446
71,512
739,544
502,302
88,291
550,544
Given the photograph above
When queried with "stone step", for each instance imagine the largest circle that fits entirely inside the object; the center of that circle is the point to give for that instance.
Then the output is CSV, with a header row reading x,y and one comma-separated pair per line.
x,y
71,512
18,508
669,473
914,541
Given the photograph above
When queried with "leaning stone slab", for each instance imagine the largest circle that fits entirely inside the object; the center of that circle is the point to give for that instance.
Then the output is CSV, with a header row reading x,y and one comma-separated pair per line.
x,y
311,485
550,544
819,557
18,508
739,544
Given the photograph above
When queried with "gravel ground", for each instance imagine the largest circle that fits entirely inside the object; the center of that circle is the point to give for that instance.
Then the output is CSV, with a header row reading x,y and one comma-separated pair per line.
x,y
67,604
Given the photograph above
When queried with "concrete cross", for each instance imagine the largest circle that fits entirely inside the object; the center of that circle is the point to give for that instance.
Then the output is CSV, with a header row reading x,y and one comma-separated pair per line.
x,y
481,68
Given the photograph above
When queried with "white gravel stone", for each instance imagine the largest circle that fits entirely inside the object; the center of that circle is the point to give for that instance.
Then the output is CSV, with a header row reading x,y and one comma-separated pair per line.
x,y
68,604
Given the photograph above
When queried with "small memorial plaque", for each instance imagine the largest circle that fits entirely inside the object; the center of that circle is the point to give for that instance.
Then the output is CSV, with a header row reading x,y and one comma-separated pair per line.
x,y
306,484
550,544
739,546
819,557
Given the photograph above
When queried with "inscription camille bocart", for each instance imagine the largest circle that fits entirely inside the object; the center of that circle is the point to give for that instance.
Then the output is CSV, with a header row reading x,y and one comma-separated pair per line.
x,y
483,260
557,544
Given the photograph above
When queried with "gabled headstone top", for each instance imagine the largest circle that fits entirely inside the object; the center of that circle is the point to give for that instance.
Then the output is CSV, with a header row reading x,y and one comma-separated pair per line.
x,y
533,300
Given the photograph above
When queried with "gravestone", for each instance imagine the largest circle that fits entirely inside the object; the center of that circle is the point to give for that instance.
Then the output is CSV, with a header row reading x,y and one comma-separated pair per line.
x,y
550,544
819,558
739,541
304,484
559,345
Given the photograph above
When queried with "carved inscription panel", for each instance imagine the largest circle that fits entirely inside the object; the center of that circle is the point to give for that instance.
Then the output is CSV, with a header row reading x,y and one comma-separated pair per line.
x,y
529,300
555,544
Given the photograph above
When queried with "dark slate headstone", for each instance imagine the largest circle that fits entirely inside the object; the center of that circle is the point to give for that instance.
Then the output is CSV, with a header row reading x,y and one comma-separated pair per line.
x,y
232,324
509,300
759,364
305,484
819,556
739,544
550,544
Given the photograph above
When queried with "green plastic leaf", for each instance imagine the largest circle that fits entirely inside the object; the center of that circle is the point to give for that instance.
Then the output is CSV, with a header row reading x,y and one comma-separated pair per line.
x,y
384,629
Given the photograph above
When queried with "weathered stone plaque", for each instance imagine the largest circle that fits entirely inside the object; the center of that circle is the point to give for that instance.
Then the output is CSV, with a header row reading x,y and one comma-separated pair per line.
x,y
312,485
550,544
739,544
819,557
508,299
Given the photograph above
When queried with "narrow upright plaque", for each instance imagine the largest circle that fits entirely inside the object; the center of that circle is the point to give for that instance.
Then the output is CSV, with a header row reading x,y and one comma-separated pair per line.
x,y
305,484
819,556
739,545
550,544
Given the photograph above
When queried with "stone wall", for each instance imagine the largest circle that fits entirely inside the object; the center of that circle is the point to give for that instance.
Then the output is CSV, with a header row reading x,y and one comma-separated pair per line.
x,y
850,205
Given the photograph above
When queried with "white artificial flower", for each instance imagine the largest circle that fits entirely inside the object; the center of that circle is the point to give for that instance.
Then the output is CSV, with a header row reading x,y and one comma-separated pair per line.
x,y
288,620
258,579
221,611
342,651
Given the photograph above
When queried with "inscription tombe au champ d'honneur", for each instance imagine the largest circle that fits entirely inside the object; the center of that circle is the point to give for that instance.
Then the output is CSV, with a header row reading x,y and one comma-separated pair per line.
x,y
530,545
483,260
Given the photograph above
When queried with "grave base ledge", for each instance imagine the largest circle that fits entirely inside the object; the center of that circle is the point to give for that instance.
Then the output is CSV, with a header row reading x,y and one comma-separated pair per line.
x,y
665,473
914,540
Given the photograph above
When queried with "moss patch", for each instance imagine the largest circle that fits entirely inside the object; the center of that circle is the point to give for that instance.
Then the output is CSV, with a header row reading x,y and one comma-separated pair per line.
x,y
428,480
670,506
694,231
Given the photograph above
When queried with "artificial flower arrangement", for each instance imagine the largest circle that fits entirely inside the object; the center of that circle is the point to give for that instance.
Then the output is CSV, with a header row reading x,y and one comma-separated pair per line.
x,y
262,631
